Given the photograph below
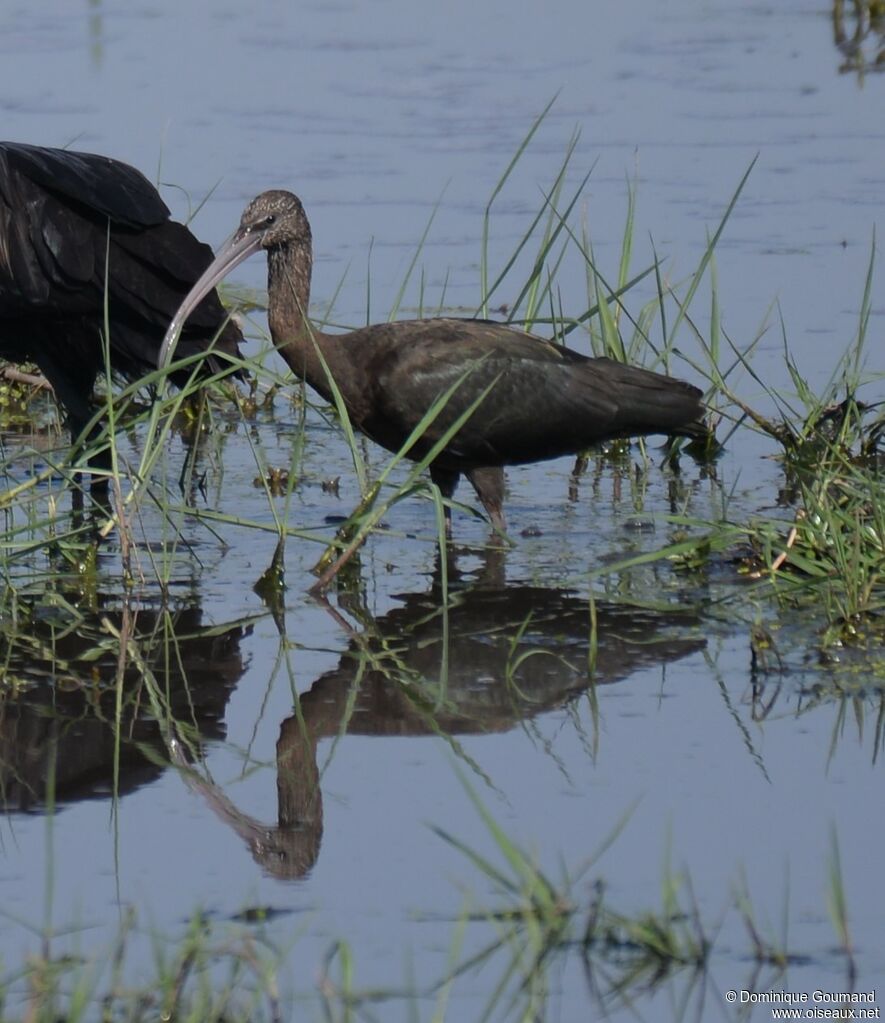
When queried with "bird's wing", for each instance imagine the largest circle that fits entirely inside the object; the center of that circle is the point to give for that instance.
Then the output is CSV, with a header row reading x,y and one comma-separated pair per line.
x,y
52,254
56,209
152,270
542,399
108,187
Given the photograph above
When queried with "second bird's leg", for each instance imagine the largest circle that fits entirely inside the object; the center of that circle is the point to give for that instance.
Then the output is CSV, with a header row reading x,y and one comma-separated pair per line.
x,y
73,383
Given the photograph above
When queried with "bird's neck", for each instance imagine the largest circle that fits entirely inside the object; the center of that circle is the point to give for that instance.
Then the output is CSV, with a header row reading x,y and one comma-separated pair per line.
x,y
288,292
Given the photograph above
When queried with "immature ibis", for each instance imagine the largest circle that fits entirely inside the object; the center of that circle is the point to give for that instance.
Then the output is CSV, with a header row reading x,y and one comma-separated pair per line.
x,y
75,229
541,399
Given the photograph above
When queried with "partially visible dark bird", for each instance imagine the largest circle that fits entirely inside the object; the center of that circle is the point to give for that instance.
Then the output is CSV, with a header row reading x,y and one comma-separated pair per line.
x,y
543,400
73,228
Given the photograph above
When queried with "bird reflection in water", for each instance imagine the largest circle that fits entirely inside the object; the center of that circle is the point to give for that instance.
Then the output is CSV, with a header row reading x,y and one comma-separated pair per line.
x,y
495,656
59,717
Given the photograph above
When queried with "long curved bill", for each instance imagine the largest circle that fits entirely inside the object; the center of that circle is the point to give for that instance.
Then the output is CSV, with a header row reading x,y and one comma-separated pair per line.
x,y
238,248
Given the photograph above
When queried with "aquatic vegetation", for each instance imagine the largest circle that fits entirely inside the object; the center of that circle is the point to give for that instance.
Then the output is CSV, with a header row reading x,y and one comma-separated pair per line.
x,y
230,970
831,558
859,34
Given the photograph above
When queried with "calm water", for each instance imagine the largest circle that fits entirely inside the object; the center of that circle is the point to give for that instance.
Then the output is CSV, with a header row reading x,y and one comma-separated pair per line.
x,y
375,114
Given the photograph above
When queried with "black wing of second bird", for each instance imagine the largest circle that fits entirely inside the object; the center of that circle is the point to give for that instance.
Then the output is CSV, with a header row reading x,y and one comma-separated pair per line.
x,y
72,227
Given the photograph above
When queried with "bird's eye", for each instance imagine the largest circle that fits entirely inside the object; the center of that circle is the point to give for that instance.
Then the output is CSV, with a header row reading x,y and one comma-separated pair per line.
x,y
269,219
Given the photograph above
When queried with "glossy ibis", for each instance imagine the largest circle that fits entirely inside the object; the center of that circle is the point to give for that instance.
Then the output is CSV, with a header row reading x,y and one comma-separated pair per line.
x,y
543,400
75,227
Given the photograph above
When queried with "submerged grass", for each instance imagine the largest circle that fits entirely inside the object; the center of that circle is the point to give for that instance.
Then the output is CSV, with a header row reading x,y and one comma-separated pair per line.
x,y
230,971
537,924
212,974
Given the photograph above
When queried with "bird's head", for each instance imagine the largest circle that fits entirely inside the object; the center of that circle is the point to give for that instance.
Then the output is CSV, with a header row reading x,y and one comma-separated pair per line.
x,y
273,219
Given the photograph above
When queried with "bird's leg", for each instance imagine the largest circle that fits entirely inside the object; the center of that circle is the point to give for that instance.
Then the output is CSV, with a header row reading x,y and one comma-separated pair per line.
x,y
488,482
73,392
447,481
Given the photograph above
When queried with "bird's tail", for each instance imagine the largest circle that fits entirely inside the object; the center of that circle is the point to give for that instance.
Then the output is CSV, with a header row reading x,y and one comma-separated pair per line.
x,y
653,403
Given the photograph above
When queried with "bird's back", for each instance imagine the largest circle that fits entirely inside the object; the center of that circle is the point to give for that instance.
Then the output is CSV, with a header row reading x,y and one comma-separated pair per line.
x,y
541,399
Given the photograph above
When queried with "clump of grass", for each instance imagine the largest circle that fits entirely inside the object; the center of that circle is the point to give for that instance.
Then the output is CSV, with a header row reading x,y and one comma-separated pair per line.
x,y
838,554
859,34
653,943
541,921
537,922
532,926
826,553
833,555
768,949
206,975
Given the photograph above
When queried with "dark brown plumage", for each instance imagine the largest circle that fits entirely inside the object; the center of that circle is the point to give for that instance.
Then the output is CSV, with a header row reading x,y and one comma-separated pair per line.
x,y
544,400
66,218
